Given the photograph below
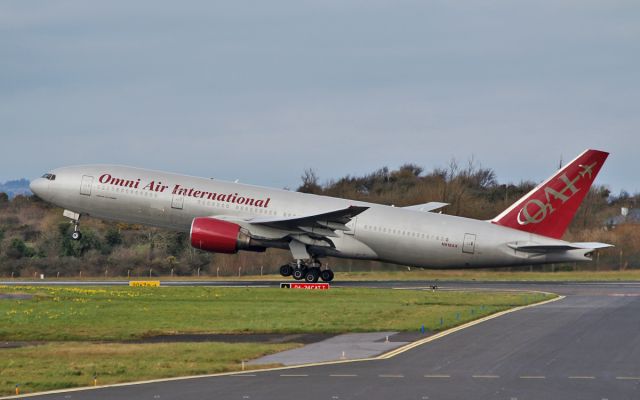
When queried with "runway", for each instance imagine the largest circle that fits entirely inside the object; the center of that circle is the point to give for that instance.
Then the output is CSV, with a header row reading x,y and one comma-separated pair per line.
x,y
586,346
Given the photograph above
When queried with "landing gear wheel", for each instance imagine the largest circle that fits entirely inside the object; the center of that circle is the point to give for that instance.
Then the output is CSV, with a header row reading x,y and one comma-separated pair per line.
x,y
299,273
326,275
286,270
76,235
312,275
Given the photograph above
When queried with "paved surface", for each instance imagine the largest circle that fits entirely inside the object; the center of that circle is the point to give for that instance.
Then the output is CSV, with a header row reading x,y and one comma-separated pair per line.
x,y
342,347
586,346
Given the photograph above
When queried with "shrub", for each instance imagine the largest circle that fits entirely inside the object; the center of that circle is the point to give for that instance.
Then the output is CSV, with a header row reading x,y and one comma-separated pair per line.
x,y
18,249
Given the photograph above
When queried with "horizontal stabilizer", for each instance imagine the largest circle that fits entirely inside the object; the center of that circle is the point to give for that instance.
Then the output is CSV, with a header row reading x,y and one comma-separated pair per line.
x,y
553,248
427,207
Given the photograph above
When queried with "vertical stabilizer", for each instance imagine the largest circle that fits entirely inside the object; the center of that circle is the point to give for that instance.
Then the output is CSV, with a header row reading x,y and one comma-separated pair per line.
x,y
549,208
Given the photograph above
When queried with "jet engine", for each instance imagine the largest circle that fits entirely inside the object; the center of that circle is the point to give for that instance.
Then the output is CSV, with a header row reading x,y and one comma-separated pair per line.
x,y
217,236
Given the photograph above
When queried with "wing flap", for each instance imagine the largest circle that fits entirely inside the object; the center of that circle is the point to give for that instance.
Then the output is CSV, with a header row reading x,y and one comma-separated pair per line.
x,y
319,231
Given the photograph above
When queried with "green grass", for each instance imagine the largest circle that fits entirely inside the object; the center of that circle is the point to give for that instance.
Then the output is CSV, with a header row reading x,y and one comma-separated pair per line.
x,y
71,364
74,324
122,313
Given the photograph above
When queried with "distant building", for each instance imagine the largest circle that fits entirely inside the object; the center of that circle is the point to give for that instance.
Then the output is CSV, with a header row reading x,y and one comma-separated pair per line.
x,y
627,216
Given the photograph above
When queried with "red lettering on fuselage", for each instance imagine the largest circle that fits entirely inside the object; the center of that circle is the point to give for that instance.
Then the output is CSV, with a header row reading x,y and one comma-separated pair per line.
x,y
155,187
179,190
234,198
110,180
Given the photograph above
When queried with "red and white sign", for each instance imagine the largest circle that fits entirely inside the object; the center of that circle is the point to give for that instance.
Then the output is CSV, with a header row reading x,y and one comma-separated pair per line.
x,y
304,285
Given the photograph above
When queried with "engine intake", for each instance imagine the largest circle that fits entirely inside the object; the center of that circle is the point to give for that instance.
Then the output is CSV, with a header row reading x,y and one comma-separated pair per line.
x,y
218,236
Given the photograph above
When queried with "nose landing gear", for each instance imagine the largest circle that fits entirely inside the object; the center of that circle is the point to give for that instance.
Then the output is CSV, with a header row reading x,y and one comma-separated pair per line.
x,y
76,234
75,220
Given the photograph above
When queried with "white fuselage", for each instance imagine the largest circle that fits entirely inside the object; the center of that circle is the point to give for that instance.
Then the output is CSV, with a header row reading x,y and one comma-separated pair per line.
x,y
385,233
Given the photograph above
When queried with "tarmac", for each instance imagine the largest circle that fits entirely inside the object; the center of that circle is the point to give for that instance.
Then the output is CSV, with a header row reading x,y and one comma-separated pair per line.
x,y
351,346
584,346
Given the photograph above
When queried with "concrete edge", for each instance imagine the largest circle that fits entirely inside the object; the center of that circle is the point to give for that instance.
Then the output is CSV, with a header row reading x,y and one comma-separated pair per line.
x,y
383,356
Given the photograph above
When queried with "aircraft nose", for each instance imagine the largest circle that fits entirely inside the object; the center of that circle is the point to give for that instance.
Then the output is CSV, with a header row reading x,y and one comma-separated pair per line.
x,y
39,187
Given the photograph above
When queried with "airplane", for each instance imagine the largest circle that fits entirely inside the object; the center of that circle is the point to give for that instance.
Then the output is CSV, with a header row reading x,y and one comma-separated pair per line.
x,y
226,217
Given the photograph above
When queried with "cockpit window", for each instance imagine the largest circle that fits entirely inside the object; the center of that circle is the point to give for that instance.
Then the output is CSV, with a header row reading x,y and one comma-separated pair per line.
x,y
50,177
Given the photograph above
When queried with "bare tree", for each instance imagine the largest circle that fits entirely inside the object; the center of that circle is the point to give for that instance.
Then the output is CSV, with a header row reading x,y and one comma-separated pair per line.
x,y
310,182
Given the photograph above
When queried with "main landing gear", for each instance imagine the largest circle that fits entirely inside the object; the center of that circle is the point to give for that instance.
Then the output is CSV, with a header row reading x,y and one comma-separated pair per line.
x,y
310,272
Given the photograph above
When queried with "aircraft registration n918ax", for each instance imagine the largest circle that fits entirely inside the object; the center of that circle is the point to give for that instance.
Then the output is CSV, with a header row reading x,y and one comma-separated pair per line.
x,y
226,217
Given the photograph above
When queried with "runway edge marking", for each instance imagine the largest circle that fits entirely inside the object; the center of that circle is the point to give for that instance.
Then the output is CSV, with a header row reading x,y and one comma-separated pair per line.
x,y
384,356
420,342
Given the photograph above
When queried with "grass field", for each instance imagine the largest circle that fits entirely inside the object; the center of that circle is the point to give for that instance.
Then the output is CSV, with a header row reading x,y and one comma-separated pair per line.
x,y
123,313
71,364
75,323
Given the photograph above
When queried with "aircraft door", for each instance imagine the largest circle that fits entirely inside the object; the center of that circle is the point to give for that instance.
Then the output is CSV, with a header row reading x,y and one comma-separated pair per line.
x,y
469,244
85,186
177,202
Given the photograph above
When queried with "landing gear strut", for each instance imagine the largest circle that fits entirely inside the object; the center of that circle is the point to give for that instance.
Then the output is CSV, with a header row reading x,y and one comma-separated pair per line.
x,y
311,271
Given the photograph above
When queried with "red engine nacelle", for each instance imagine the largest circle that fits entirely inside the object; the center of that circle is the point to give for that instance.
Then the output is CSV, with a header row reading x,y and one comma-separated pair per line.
x,y
218,236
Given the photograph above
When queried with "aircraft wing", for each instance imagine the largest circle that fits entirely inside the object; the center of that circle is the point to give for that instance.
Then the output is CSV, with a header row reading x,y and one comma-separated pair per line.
x,y
330,221
312,229
551,248
427,207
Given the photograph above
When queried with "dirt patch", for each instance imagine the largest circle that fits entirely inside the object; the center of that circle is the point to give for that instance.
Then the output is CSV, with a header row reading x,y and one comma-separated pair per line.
x,y
267,338
304,338
15,345
15,296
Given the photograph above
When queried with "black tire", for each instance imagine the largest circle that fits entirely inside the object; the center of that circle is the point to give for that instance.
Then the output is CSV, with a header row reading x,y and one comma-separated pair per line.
x,y
286,270
76,235
299,273
312,275
326,275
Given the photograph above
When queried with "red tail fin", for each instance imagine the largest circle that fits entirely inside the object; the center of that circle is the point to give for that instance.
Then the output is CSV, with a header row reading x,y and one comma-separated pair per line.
x,y
549,208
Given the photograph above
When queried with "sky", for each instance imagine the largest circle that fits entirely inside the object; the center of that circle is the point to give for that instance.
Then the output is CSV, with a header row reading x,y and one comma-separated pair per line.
x,y
261,90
